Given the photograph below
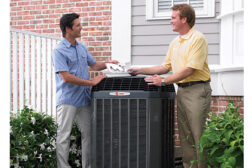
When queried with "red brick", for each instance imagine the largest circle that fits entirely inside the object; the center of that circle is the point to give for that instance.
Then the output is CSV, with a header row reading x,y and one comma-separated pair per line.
x,y
107,3
17,27
29,27
107,13
108,23
48,11
106,54
95,4
48,31
94,43
13,4
81,4
13,13
16,8
102,38
95,14
68,5
102,18
35,12
36,2
88,39
101,48
91,9
89,19
95,53
95,23
42,7
17,18
55,6
76,10
74,0
48,1
55,16
13,23
23,3
89,29
61,1
48,21
90,48
103,28
29,7
41,26
61,10
95,33
106,33
23,13
28,17
41,16
22,22
36,21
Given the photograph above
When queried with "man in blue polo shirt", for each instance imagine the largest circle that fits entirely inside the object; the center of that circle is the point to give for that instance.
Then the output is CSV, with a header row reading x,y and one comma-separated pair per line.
x,y
71,60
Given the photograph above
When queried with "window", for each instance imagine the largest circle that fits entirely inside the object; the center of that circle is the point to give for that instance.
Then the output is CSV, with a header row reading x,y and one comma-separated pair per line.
x,y
161,9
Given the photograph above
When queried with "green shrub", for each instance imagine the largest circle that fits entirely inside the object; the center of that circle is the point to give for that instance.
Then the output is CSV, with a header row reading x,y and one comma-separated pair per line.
x,y
222,140
33,140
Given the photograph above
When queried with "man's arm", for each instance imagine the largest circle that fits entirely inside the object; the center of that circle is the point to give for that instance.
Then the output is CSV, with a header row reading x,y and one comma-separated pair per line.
x,y
97,66
148,70
69,78
180,75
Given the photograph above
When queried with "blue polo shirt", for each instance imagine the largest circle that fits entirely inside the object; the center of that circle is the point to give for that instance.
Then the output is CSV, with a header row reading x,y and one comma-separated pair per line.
x,y
74,59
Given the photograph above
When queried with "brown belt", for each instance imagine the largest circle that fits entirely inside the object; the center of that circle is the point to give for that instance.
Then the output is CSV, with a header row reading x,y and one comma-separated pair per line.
x,y
191,83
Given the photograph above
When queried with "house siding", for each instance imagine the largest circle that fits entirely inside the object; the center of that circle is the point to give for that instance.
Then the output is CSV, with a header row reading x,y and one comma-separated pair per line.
x,y
150,38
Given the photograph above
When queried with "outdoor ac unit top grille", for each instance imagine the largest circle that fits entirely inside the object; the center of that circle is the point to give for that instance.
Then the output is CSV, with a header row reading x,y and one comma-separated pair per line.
x,y
129,83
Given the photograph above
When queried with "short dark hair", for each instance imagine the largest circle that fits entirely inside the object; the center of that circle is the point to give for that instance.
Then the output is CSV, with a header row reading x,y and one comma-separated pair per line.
x,y
186,11
67,21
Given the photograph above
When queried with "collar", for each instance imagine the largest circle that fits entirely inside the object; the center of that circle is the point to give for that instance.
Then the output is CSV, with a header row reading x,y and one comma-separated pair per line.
x,y
186,36
68,44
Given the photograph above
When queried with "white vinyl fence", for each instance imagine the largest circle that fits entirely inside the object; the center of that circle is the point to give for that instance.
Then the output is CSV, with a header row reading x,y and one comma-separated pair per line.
x,y
31,76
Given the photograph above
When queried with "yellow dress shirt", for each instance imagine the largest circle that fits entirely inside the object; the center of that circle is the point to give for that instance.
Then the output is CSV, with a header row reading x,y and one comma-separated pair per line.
x,y
190,50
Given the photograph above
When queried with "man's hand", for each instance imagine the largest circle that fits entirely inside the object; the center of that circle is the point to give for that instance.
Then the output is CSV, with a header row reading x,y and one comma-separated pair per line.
x,y
97,79
113,62
154,80
134,71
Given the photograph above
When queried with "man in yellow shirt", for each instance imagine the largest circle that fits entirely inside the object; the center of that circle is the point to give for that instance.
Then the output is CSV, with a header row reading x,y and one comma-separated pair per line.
x,y
187,59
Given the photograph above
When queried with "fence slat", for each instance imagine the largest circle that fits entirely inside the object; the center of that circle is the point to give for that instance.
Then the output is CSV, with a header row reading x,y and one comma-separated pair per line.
x,y
15,73
54,85
33,73
38,75
27,70
49,76
21,71
44,83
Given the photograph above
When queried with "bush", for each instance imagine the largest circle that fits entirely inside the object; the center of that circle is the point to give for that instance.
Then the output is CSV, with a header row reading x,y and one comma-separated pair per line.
x,y
223,140
33,140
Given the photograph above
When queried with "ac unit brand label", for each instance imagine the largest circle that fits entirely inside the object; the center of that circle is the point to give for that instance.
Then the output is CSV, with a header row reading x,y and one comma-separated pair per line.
x,y
119,93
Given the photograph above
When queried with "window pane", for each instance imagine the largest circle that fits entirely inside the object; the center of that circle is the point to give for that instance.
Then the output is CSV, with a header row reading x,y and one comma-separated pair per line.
x,y
197,4
164,5
176,2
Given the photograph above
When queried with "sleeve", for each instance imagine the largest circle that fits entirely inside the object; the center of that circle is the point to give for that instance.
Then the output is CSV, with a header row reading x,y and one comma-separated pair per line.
x,y
59,62
197,54
167,61
90,59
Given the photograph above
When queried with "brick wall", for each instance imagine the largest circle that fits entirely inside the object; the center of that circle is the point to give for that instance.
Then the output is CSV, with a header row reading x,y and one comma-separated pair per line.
x,y
42,16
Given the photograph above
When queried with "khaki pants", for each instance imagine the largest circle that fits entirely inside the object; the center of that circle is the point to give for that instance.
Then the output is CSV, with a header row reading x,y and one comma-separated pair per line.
x,y
67,114
193,107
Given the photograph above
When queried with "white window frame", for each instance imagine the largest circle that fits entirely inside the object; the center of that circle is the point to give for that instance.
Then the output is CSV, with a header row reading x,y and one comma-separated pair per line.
x,y
231,39
153,14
